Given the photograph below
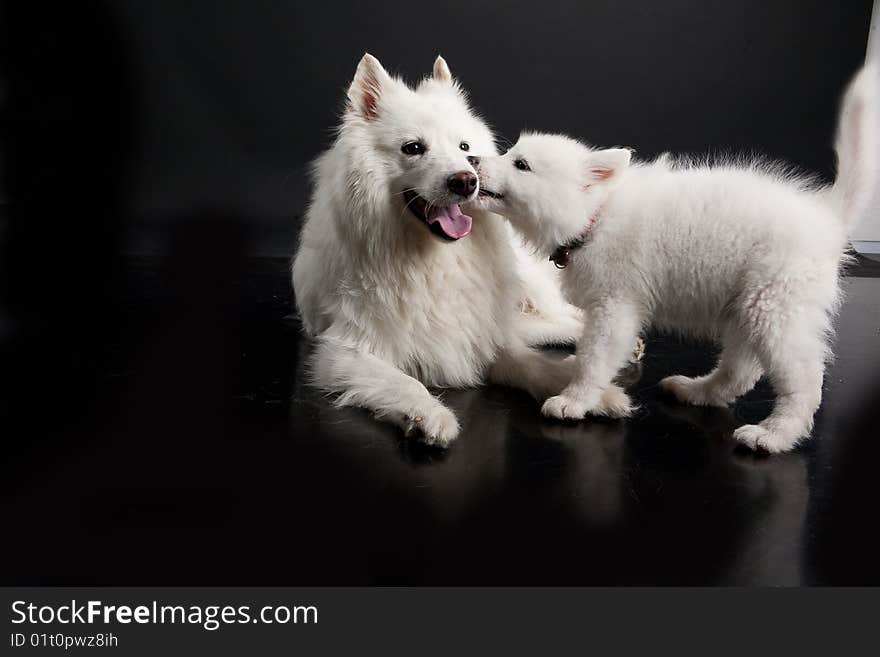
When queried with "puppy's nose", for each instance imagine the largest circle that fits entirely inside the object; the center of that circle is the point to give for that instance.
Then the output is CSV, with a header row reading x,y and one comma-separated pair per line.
x,y
474,161
463,183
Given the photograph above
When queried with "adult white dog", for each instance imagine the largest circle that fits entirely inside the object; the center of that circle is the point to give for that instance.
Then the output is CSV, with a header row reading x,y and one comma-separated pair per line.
x,y
400,287
748,255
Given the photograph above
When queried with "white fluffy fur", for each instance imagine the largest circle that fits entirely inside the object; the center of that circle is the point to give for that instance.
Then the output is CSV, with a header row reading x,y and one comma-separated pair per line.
x,y
746,254
392,307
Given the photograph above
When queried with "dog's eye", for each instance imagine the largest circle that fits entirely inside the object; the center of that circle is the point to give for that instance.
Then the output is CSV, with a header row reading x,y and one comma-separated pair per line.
x,y
414,148
464,146
522,165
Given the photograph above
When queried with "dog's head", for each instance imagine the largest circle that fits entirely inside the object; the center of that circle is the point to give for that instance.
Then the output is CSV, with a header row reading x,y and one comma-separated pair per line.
x,y
550,186
423,143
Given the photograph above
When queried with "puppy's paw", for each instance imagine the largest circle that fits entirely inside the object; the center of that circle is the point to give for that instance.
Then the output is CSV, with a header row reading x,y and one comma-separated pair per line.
x,y
565,407
757,437
437,426
692,391
614,403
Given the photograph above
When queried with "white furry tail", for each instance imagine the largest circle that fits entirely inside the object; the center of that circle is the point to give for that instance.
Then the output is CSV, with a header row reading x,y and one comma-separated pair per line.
x,y
857,148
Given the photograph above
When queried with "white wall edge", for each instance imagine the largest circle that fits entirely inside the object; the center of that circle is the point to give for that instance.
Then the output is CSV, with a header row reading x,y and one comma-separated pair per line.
x,y
868,229
866,246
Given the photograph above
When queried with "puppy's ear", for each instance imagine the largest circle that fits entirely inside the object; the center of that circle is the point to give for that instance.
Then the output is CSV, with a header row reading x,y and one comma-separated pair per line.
x,y
370,80
441,70
607,165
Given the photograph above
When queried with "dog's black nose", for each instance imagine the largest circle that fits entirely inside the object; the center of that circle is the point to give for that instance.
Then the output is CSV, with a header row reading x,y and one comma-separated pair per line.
x,y
474,161
463,183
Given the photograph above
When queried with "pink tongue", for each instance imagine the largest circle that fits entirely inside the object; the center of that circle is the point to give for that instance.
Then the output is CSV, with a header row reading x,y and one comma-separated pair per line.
x,y
453,222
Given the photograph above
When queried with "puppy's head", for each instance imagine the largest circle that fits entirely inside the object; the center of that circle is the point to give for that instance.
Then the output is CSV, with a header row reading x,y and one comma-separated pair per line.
x,y
550,186
419,145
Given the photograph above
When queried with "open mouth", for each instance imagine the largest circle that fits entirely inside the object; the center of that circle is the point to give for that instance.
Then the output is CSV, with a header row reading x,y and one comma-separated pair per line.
x,y
448,222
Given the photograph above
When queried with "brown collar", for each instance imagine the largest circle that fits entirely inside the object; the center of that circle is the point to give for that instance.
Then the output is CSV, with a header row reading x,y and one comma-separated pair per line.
x,y
562,252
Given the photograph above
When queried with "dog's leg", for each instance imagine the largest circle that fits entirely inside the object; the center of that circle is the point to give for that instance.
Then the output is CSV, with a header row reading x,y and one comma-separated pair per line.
x,y
362,379
736,373
544,317
603,349
537,330
563,331
539,374
542,375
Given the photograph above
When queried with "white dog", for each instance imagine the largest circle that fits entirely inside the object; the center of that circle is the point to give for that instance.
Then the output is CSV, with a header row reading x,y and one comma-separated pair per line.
x,y
746,254
400,287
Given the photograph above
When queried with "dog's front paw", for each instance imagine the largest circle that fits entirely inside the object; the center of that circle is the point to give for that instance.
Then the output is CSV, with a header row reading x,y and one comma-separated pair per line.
x,y
437,427
760,438
565,407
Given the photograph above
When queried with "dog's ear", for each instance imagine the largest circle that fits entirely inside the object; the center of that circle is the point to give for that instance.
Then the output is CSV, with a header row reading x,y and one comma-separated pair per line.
x,y
369,81
607,165
441,70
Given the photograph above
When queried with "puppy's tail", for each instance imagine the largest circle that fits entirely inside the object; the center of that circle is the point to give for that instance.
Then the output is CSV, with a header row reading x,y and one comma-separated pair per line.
x,y
857,147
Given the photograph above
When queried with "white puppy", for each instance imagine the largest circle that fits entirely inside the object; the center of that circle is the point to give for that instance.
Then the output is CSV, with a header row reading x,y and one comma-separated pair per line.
x,y
744,254
400,287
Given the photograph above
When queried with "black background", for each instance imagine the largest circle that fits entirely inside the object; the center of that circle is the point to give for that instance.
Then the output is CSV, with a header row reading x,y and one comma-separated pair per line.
x,y
223,104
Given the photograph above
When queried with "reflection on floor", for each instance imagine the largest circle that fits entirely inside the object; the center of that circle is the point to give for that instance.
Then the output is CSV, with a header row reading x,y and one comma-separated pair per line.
x,y
197,456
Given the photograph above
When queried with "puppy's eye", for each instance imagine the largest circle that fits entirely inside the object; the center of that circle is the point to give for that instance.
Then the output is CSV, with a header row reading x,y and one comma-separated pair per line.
x,y
414,148
464,146
522,165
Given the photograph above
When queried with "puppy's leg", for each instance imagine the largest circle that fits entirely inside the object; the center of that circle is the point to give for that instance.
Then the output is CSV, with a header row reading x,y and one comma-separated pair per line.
x,y
542,375
362,379
736,373
603,349
786,319
796,374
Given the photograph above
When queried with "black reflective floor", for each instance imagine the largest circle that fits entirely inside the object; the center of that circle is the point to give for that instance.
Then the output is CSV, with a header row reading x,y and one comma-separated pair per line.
x,y
195,456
